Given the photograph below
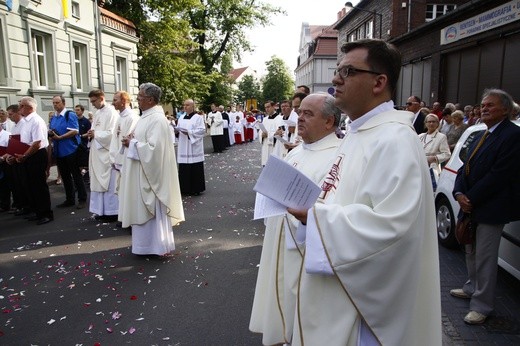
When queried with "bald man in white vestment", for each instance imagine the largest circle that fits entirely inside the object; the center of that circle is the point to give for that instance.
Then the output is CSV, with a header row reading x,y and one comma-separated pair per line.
x,y
276,286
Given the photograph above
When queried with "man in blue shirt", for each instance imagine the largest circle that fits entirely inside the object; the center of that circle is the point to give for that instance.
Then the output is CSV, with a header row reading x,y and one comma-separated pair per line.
x,y
63,131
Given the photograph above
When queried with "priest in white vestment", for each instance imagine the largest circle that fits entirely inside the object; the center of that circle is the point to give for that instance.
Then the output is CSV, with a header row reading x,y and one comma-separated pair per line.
x,y
274,304
152,202
124,127
103,199
371,268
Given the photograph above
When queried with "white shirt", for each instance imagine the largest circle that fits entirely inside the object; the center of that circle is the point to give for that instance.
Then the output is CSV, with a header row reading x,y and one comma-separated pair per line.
x,y
34,130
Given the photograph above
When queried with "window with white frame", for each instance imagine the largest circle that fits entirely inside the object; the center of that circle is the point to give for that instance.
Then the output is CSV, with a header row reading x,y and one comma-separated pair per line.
x,y
121,73
41,45
80,66
436,10
369,29
75,9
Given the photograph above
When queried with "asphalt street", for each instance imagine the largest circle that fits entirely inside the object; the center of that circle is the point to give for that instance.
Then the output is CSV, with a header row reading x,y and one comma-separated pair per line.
x,y
75,281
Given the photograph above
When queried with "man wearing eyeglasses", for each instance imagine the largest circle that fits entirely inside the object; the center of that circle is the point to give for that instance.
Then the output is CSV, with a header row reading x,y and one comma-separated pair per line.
x,y
371,271
413,104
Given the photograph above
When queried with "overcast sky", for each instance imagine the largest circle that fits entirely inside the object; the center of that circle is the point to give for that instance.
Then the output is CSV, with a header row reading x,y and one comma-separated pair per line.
x,y
283,37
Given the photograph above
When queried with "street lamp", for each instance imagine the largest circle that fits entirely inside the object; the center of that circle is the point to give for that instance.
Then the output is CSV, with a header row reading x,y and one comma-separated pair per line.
x,y
349,5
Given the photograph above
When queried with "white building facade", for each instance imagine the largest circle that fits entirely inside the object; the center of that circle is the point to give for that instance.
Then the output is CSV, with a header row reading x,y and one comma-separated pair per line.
x,y
318,57
46,50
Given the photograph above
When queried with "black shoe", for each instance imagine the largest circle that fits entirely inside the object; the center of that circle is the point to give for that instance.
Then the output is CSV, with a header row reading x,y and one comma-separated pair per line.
x,y
33,218
65,204
44,220
109,218
81,205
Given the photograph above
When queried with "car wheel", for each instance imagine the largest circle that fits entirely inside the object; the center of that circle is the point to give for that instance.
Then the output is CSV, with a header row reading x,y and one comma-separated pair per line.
x,y
445,223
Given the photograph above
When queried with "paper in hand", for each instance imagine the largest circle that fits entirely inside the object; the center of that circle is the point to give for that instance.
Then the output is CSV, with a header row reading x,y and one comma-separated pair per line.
x,y
286,185
266,207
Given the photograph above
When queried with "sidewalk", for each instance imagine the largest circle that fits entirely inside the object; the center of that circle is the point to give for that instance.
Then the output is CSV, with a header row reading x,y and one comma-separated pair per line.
x,y
502,328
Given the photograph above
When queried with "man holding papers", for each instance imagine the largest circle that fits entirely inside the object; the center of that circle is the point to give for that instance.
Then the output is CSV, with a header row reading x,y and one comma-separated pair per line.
x,y
275,295
371,269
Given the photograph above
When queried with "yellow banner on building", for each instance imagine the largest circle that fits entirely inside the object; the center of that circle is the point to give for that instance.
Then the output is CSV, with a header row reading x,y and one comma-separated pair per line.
x,y
66,8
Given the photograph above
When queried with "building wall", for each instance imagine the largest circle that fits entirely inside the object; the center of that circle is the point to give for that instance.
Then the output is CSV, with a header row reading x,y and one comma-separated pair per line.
x,y
460,71
43,22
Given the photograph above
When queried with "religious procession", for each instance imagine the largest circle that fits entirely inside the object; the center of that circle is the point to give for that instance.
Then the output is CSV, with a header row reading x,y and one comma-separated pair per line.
x,y
151,212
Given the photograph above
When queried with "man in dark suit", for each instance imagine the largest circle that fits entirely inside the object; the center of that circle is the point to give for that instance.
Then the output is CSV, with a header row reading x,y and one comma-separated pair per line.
x,y
484,188
413,104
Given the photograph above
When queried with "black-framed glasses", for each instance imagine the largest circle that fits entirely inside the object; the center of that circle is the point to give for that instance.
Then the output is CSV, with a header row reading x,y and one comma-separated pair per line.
x,y
346,71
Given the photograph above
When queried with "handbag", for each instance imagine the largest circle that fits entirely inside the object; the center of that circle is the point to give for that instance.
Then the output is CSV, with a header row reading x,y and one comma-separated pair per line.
x,y
465,230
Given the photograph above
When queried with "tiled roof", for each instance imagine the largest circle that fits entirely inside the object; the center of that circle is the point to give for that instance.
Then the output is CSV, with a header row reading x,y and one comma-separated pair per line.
x,y
326,46
235,73
116,17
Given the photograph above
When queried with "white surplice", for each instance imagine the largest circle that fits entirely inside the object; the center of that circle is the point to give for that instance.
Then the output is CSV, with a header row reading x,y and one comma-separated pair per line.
x,y
100,166
190,148
271,125
276,286
124,126
371,258
152,201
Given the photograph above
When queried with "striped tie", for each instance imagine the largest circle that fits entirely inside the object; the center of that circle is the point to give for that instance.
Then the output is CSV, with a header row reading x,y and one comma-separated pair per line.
x,y
476,149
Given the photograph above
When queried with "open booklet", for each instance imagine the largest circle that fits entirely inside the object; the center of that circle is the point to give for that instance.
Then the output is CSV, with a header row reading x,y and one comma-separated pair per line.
x,y
282,187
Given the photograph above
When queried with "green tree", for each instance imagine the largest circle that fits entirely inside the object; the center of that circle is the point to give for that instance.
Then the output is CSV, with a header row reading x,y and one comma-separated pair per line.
x,y
277,84
248,88
183,42
219,30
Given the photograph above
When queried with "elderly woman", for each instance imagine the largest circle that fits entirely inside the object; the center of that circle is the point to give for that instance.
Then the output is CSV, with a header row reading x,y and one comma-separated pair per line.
x,y
435,144
457,129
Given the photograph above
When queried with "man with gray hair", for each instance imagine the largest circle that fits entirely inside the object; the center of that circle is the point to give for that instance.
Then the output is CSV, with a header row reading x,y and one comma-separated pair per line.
x,y
486,189
152,201
317,121
35,160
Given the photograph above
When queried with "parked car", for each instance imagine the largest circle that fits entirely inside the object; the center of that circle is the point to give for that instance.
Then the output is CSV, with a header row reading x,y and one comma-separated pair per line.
x,y
447,207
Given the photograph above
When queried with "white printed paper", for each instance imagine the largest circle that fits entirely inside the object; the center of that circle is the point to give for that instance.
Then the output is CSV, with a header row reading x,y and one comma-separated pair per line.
x,y
266,207
286,185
